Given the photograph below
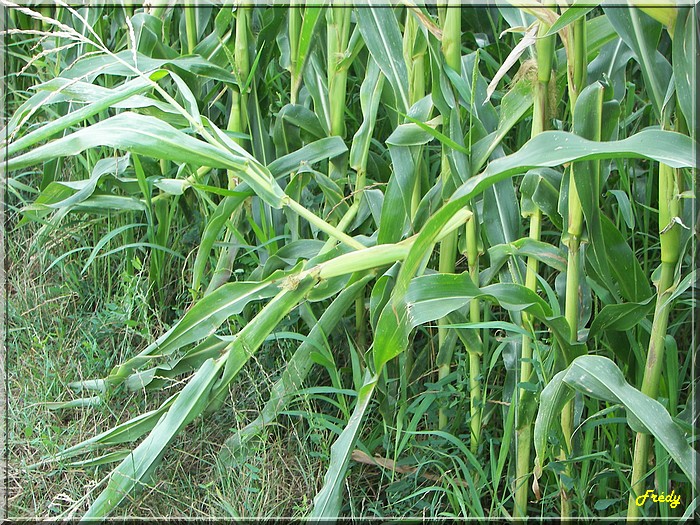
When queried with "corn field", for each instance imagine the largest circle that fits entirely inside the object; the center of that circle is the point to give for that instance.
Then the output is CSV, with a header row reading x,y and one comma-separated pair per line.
x,y
448,247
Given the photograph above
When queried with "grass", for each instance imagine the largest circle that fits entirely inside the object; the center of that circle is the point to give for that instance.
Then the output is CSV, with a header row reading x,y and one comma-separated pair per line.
x,y
60,333
320,262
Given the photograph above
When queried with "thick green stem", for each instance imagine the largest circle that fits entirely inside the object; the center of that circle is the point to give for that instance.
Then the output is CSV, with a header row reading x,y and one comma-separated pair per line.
x,y
572,299
650,385
540,119
338,32
474,355
669,209
578,63
191,28
360,324
338,29
294,26
237,117
573,273
338,35
158,10
452,36
242,60
236,123
577,68
451,49
323,225
414,48
446,264
524,428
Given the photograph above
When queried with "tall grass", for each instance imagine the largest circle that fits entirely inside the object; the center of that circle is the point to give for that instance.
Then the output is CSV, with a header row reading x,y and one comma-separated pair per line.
x,y
456,216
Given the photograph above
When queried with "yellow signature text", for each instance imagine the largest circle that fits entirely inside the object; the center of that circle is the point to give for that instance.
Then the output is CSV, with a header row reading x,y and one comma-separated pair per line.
x,y
672,499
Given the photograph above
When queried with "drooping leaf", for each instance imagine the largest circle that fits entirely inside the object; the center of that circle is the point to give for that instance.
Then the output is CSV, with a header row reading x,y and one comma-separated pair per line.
x,y
48,130
328,501
201,321
553,398
598,377
122,64
134,469
297,367
151,137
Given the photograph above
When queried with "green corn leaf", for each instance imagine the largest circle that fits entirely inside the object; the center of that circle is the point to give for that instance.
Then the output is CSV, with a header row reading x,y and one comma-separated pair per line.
x,y
625,207
110,457
370,95
501,213
539,189
150,137
158,376
64,89
623,264
201,321
122,64
611,65
552,400
191,105
685,64
431,297
514,105
213,228
642,33
103,204
130,430
589,115
600,378
317,151
380,31
396,208
381,292
297,368
577,10
134,469
620,317
315,82
308,29
546,253
75,403
51,196
328,501
303,118
117,95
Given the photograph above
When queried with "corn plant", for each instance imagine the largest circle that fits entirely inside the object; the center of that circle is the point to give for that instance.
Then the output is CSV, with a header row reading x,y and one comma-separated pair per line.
x,y
458,214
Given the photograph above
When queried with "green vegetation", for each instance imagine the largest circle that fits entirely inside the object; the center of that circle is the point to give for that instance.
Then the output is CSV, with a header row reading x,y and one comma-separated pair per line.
x,y
326,261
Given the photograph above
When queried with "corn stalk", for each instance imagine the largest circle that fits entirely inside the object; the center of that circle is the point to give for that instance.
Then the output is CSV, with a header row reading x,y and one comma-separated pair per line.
x,y
670,188
540,119
237,123
451,49
576,80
